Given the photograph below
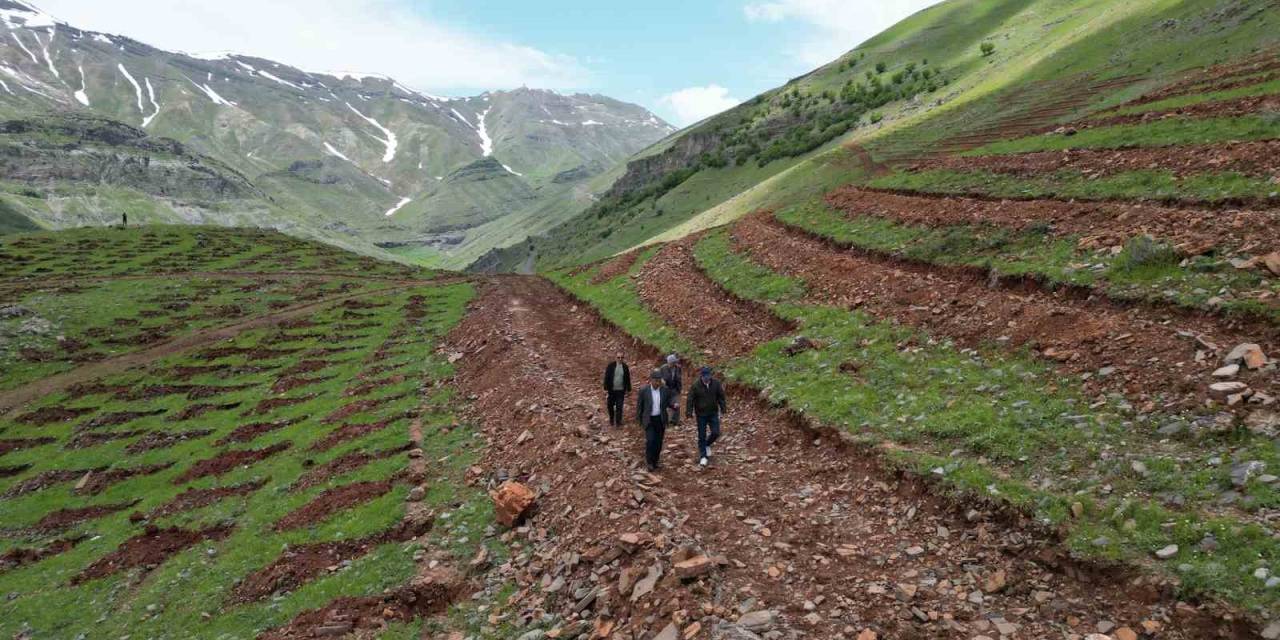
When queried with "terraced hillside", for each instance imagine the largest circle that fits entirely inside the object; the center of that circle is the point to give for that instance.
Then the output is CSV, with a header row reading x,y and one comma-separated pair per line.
x,y
213,432
1077,321
925,87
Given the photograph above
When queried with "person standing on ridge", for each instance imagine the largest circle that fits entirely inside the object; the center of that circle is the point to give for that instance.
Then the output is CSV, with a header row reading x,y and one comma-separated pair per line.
x,y
706,402
651,411
124,219
673,377
617,384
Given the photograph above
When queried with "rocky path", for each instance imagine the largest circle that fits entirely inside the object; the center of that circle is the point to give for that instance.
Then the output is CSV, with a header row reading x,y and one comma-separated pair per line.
x,y
789,534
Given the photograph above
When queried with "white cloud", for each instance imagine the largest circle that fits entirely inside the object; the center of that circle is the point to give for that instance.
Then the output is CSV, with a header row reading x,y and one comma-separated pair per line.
x,y
833,26
372,36
695,103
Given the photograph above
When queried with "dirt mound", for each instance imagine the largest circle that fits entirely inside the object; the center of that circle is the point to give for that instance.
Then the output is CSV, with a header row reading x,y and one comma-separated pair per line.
x,y
117,418
1147,354
300,564
1099,225
193,499
148,550
84,390
47,479
248,432
186,372
10,471
285,385
1249,158
616,266
349,432
345,463
165,439
332,501
99,481
362,406
63,518
671,284
51,415
228,460
16,444
1233,108
196,410
21,556
424,597
306,366
369,387
267,405
86,440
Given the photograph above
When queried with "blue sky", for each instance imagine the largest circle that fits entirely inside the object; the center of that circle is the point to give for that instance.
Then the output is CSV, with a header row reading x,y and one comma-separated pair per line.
x,y
683,59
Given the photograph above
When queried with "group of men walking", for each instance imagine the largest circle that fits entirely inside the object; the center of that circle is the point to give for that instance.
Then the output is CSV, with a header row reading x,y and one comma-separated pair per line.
x,y
658,405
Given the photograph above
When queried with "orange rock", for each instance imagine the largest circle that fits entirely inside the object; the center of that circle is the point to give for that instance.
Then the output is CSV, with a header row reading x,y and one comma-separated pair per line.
x,y
511,501
867,634
1272,262
1125,633
694,567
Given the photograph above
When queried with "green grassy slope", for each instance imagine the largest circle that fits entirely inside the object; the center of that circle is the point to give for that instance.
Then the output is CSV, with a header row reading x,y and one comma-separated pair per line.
x,y
333,389
1051,62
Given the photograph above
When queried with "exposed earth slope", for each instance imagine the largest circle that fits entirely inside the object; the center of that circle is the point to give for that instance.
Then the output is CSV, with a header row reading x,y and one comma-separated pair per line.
x,y
356,159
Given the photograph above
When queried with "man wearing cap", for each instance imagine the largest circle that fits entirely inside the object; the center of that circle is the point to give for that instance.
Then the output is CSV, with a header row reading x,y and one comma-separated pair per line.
x,y
617,384
652,404
673,377
706,402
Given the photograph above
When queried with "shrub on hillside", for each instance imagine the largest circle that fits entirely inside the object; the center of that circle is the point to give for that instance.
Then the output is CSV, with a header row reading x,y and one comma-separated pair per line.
x,y
988,48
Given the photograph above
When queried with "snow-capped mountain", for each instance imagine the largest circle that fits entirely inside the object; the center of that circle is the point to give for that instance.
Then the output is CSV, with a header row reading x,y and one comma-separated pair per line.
x,y
350,156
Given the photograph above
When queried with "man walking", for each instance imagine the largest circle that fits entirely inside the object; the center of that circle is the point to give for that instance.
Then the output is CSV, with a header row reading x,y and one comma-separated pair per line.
x,y
617,384
673,377
651,410
706,401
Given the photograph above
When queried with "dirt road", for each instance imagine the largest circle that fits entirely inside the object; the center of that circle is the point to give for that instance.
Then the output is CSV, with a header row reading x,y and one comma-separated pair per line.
x,y
808,537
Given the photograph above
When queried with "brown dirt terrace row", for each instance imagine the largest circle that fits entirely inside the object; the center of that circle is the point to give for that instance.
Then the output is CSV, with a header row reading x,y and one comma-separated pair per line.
x,y
1151,357
1099,225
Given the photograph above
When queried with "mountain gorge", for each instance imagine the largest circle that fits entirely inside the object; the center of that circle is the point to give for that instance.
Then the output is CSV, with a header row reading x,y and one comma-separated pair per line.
x,y
357,160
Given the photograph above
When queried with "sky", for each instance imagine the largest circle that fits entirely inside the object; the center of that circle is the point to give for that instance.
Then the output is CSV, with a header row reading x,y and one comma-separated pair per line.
x,y
683,59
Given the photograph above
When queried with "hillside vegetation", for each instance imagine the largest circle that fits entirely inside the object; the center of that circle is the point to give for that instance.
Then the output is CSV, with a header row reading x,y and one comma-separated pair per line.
x,y
925,86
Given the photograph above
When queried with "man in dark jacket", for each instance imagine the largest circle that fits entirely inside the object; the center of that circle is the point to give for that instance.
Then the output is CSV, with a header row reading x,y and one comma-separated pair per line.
x,y
617,384
673,377
706,401
652,404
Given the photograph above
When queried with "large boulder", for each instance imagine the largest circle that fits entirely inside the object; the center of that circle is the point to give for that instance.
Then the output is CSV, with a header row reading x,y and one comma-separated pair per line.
x,y
512,502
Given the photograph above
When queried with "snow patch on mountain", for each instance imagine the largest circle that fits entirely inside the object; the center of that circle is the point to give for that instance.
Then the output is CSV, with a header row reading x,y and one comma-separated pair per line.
x,y
98,37
29,17
24,47
486,143
399,206
511,171
279,80
592,123
47,58
151,92
390,140
6,87
334,152
82,95
211,94
137,88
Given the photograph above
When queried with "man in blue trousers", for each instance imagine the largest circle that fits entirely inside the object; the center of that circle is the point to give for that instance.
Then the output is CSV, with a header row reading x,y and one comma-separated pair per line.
x,y
706,402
